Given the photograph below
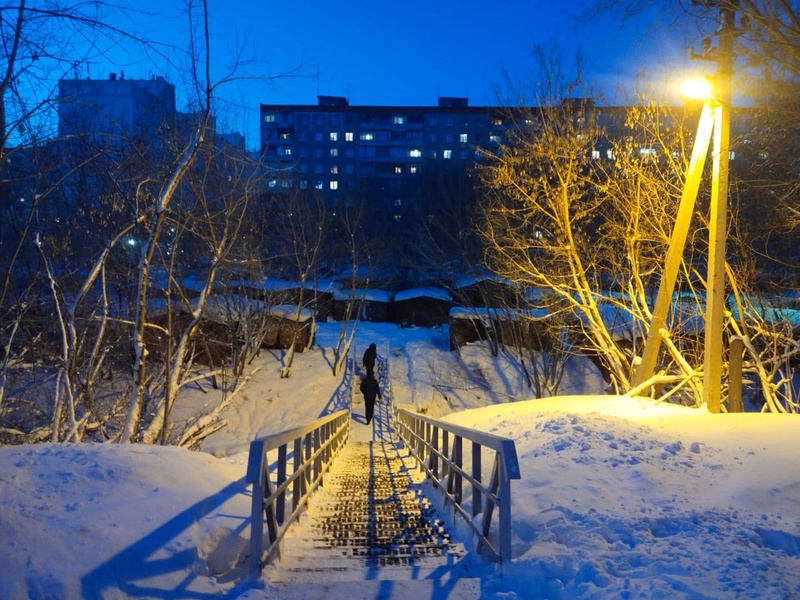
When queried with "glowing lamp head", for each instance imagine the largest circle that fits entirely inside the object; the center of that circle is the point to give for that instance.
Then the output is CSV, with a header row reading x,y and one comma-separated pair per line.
x,y
697,89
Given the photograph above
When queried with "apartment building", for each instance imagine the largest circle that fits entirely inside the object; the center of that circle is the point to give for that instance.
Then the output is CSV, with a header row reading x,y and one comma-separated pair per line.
x,y
116,108
340,150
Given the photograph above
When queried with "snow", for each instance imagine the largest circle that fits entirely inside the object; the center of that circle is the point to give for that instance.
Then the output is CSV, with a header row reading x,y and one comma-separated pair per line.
x,y
427,292
619,497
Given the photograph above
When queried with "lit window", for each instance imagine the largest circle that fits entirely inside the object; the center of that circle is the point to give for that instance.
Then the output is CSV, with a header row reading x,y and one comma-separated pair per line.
x,y
334,136
494,138
731,155
643,152
397,218
318,185
272,183
595,154
415,153
334,185
334,170
288,151
367,136
432,154
399,120
463,138
610,154
286,135
270,118
412,168
348,136
497,121
447,154
334,152
398,169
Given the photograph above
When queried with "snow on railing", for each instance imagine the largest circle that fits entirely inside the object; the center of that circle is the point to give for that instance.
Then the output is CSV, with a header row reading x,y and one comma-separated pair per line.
x,y
438,447
314,447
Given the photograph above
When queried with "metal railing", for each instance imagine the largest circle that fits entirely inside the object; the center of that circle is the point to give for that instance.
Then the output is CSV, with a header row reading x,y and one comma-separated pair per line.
x,y
438,446
314,447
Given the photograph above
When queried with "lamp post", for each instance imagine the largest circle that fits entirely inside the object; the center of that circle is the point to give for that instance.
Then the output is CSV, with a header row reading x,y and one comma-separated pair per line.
x,y
714,118
717,223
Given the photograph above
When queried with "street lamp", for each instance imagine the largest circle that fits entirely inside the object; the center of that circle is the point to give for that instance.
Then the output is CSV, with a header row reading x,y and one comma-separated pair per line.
x,y
716,116
646,366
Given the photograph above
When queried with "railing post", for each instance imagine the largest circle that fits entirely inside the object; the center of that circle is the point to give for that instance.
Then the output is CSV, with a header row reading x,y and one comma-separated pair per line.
x,y
458,460
281,477
476,475
256,475
419,426
505,511
318,460
297,485
434,457
446,458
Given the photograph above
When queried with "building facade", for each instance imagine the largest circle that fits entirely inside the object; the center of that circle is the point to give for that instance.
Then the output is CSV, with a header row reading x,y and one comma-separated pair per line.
x,y
116,108
338,149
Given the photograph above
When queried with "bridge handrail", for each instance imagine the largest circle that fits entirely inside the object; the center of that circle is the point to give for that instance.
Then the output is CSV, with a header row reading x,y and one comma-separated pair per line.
x,y
421,435
314,447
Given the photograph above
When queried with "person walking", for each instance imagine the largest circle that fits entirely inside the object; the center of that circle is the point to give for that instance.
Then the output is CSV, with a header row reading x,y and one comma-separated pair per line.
x,y
369,359
369,387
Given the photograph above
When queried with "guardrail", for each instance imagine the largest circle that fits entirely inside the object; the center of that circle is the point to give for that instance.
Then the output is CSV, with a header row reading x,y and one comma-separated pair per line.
x,y
429,441
314,447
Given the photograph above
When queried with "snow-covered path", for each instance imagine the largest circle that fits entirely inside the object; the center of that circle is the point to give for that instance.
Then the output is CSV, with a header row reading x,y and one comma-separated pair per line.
x,y
370,529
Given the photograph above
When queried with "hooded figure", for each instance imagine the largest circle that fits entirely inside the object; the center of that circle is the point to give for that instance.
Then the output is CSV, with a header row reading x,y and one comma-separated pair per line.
x,y
369,359
369,387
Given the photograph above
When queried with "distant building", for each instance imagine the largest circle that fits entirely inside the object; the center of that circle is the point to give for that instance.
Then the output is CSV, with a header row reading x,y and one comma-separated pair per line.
x,y
116,108
339,149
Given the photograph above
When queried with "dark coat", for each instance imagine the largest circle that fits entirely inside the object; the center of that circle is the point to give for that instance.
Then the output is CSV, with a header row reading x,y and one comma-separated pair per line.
x,y
369,357
370,388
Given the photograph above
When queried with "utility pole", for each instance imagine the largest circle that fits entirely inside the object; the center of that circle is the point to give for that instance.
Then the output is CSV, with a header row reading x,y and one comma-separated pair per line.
x,y
718,217
716,117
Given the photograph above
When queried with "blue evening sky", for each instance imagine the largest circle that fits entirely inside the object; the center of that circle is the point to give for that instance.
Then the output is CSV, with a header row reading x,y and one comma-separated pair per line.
x,y
407,53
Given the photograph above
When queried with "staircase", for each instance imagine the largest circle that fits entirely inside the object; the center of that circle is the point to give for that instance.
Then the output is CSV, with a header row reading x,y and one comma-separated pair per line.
x,y
370,532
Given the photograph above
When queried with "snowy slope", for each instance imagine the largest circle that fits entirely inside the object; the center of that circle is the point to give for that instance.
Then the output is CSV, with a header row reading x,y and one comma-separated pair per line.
x,y
619,498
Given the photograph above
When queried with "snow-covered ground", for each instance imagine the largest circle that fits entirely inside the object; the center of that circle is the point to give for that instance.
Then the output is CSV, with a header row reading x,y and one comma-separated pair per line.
x,y
619,498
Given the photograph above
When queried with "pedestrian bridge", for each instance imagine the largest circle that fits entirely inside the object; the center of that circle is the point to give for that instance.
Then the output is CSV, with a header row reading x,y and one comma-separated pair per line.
x,y
342,501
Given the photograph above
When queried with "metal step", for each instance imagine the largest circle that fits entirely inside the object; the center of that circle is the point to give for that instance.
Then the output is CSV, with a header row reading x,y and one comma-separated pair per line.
x,y
370,517
377,589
